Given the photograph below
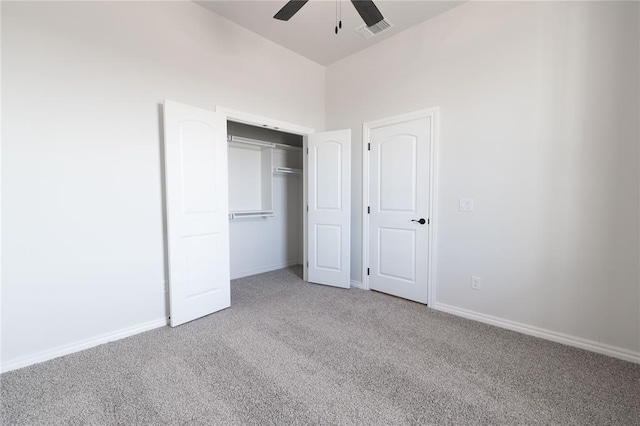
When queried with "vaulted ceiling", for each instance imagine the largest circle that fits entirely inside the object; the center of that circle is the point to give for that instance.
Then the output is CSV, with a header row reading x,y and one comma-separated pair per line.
x,y
310,32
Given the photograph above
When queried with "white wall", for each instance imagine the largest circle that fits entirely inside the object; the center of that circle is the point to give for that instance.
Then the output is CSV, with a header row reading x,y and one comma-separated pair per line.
x,y
539,124
539,113
81,178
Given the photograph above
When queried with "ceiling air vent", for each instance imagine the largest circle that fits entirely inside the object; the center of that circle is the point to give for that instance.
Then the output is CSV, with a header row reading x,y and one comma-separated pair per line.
x,y
368,32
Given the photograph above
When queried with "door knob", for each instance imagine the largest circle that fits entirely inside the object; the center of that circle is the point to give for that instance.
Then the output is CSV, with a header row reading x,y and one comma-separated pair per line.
x,y
421,221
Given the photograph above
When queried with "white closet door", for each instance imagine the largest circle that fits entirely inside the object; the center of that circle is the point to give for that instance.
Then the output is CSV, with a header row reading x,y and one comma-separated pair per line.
x,y
195,148
329,217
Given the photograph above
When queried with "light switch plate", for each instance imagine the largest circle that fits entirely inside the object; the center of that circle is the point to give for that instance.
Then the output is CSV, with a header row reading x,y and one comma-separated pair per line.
x,y
465,204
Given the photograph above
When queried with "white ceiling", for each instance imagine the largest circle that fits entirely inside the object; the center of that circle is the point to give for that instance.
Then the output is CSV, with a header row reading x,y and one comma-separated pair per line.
x,y
310,32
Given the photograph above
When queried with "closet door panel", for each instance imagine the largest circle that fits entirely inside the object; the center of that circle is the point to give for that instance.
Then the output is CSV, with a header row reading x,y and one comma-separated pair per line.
x,y
329,216
196,181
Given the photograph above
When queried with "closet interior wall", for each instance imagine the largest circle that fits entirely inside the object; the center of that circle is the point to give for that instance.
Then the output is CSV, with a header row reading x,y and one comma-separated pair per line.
x,y
261,244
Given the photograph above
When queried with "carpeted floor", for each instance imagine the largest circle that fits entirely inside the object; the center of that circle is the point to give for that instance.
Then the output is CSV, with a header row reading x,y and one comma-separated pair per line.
x,y
288,352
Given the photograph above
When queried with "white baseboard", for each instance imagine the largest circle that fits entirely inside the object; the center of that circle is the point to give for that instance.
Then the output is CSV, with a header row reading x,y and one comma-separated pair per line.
x,y
263,269
115,335
566,339
357,284
82,345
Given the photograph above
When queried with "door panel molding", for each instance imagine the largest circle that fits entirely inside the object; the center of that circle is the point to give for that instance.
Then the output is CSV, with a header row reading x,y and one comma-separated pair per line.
x,y
433,115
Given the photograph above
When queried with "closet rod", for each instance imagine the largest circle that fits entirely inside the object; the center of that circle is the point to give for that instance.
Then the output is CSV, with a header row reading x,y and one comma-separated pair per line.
x,y
287,170
248,141
257,142
283,146
238,215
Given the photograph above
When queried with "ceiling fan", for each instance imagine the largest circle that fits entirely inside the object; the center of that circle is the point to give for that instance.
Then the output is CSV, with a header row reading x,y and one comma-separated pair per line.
x,y
367,10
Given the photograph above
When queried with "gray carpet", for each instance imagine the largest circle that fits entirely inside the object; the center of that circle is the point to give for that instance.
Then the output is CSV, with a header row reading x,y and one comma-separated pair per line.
x,y
288,352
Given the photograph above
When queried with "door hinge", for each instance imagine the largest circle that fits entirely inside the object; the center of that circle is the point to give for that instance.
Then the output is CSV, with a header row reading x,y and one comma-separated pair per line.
x,y
367,271
368,209
369,146
307,150
307,263
428,221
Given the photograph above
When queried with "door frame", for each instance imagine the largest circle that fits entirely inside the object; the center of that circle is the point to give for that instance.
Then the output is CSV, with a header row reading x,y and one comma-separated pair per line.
x,y
269,123
434,115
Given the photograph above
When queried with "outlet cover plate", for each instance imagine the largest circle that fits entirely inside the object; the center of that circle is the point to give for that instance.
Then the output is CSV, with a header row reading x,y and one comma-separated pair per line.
x,y
465,204
476,283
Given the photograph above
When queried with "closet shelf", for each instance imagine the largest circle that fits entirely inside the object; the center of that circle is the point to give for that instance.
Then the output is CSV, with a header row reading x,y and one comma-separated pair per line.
x,y
238,215
247,141
287,171
264,144
287,147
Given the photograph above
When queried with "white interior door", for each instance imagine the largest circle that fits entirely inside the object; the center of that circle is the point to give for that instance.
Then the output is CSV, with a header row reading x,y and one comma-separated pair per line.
x,y
329,203
399,208
195,149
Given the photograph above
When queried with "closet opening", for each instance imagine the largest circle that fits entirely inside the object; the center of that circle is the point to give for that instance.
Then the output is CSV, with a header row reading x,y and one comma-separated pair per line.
x,y
247,195
266,205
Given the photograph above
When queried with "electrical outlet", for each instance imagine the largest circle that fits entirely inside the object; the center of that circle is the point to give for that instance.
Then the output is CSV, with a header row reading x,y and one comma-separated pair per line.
x,y
475,283
465,204
165,286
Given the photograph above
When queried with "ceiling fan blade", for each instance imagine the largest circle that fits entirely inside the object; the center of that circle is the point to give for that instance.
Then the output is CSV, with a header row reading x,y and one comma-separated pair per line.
x,y
288,10
368,11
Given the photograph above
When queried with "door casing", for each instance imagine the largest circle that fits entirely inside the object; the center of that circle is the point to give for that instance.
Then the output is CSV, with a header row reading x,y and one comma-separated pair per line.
x,y
433,115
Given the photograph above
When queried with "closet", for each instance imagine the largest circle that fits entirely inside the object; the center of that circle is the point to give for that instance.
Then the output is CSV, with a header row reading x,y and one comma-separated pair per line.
x,y
265,199
243,197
